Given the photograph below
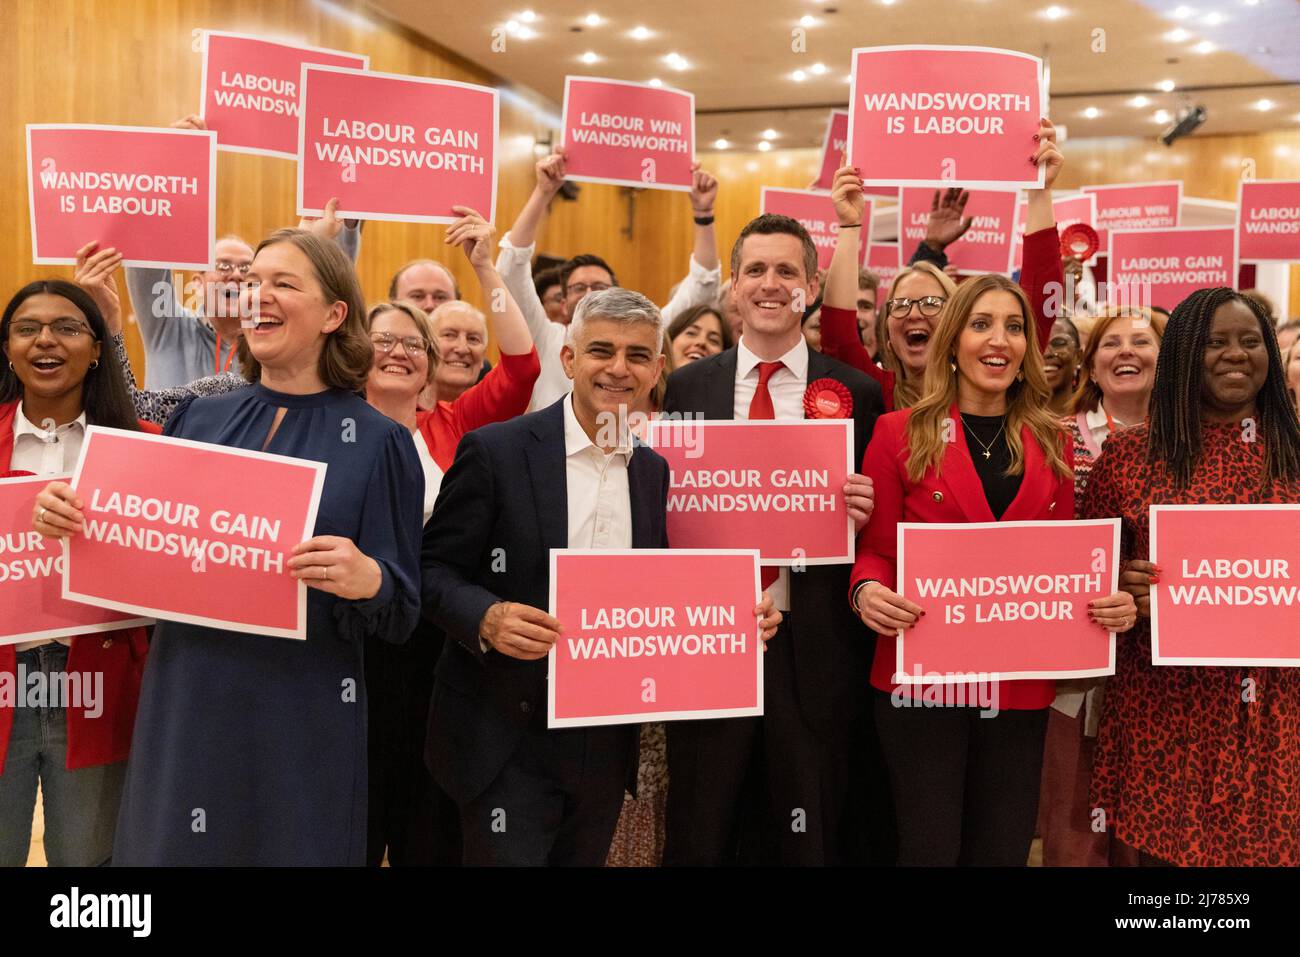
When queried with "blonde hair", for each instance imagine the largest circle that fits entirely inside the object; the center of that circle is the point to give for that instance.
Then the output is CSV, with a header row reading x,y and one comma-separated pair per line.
x,y
417,316
907,390
1028,397
1087,394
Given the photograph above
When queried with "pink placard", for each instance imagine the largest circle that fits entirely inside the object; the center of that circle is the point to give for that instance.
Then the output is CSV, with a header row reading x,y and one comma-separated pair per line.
x,y
736,484
986,246
1229,589
1067,211
1135,206
654,635
883,260
400,148
192,532
628,134
1268,221
1162,267
149,193
251,92
939,115
31,574
1006,600
833,145
816,213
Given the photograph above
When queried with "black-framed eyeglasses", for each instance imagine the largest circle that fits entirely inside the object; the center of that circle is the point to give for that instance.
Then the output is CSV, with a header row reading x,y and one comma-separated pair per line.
x,y
226,267
582,288
385,341
71,329
930,306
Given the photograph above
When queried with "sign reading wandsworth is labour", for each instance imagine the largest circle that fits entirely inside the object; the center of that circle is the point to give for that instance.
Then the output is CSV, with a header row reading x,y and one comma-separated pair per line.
x,y
150,193
251,90
1268,221
942,115
403,148
1168,265
1135,206
815,211
986,247
628,134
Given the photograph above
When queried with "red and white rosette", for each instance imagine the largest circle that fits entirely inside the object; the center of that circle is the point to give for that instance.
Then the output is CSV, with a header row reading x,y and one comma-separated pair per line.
x,y
827,399
1079,241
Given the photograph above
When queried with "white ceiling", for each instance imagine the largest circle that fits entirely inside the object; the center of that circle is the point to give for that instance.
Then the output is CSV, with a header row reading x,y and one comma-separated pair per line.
x,y
739,59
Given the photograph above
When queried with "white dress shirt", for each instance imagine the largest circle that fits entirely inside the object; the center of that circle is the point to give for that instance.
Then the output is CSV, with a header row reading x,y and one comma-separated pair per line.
x,y
600,504
787,387
46,453
432,474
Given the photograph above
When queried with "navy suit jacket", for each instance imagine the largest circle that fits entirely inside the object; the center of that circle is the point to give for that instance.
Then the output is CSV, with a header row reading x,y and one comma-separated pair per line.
x,y
502,507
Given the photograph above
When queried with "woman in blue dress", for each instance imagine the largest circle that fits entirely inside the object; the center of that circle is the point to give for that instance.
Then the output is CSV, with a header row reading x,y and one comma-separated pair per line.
x,y
248,749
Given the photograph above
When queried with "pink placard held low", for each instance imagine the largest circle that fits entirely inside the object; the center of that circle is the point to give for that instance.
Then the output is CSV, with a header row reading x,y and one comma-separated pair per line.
x,y
1135,206
833,145
149,193
1268,221
939,115
390,147
31,576
251,91
816,213
1229,589
1067,211
985,247
1006,600
654,635
628,134
777,486
192,532
1165,266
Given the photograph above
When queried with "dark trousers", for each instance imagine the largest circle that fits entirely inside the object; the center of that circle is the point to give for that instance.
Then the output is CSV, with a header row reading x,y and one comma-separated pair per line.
x,y
555,802
410,817
965,787
734,780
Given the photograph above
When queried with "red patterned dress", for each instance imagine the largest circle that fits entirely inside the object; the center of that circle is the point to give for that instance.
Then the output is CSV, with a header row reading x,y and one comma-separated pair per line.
x,y
1185,770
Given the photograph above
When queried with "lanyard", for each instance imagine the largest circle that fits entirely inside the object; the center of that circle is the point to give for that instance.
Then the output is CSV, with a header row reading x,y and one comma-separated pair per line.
x,y
216,358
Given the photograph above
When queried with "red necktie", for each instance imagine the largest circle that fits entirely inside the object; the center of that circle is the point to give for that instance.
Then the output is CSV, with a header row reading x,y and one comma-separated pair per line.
x,y
760,407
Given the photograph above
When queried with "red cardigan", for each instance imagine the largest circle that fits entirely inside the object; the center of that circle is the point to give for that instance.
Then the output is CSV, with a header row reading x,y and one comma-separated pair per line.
x,y
955,496
501,394
118,655
1042,268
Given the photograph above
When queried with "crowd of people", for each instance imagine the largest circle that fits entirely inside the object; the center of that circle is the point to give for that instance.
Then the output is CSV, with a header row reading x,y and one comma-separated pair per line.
x,y
410,727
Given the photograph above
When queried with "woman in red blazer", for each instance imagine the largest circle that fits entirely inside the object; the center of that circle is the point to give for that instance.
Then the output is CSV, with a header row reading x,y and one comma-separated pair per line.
x,y
52,334
966,787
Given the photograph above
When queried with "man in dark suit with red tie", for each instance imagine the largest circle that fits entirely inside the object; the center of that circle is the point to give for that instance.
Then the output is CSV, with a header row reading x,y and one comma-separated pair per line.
x,y
804,759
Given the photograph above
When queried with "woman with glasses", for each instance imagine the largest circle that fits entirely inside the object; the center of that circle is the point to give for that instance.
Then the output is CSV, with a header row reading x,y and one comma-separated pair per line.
x,y
918,293
55,382
410,817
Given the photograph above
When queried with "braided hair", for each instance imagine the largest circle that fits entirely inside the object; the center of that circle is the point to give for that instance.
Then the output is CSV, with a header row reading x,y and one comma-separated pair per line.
x,y
1175,411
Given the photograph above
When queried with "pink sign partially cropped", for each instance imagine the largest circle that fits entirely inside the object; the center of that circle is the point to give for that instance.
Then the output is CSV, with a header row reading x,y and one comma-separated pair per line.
x,y
940,115
192,532
816,213
402,148
1135,206
985,247
833,146
883,260
1168,265
1229,589
1067,211
654,635
628,134
251,92
1006,600
1268,221
31,575
149,193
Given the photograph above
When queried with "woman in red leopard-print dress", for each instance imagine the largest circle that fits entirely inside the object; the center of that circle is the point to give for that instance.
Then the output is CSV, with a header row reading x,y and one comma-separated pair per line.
x,y
1186,771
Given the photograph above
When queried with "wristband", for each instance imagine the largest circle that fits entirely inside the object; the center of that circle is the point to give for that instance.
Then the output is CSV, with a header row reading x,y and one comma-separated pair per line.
x,y
703,220
853,599
854,226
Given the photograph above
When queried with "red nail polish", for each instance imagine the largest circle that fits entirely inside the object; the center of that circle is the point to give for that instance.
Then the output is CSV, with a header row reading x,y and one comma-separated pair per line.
x,y
1154,579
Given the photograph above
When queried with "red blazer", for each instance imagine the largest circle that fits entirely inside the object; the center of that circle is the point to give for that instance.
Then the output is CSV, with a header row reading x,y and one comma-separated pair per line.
x,y
501,394
118,655
955,495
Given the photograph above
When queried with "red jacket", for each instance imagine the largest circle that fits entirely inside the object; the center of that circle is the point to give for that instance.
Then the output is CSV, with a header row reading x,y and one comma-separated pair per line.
x,y
502,394
954,496
117,655
1042,268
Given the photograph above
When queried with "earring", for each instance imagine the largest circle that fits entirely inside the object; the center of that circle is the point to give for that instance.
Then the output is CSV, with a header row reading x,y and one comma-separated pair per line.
x,y
94,363
1020,375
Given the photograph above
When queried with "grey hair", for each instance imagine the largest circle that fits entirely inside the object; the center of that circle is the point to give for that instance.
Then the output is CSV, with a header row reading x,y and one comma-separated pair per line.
x,y
619,305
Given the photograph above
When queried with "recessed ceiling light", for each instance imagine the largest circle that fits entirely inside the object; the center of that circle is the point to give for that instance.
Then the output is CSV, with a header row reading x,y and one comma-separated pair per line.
x,y
720,144
640,33
798,76
525,33
1160,116
655,81
676,61
1177,35
1181,13
1166,86
1213,18
592,20
528,16
819,68
887,3
1139,101
1053,13
807,21
590,57
769,134
848,77
764,146
1264,105
1092,112
512,27
1205,46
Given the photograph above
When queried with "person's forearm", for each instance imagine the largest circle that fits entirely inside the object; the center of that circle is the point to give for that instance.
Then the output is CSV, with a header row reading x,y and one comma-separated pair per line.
x,y
1040,214
842,278
524,231
706,245
508,324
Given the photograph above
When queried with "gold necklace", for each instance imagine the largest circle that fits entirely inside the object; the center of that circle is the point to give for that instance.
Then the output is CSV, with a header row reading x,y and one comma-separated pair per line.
x,y
987,453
